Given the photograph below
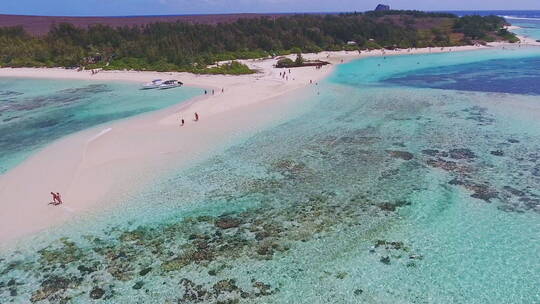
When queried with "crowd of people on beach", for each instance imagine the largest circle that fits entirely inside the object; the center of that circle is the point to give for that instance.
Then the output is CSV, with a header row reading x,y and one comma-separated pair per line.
x,y
283,75
214,91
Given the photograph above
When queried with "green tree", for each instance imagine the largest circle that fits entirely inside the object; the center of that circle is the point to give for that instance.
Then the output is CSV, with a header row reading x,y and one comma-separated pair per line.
x,y
299,60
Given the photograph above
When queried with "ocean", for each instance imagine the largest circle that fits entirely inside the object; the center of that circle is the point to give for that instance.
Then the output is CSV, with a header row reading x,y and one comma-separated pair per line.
x,y
409,179
35,112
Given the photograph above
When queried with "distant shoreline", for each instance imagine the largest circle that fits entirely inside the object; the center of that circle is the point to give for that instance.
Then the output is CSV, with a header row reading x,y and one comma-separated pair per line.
x,y
40,25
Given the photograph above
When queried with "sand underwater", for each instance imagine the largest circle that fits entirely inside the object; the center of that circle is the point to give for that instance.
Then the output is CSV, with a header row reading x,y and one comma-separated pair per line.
x,y
409,179
35,112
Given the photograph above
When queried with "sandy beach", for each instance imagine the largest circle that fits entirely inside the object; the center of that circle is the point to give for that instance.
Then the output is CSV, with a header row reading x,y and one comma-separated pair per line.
x,y
524,40
103,164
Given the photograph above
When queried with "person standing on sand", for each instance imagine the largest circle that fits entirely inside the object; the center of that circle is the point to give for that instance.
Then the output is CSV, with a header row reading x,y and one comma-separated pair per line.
x,y
213,92
59,198
54,198
182,120
196,116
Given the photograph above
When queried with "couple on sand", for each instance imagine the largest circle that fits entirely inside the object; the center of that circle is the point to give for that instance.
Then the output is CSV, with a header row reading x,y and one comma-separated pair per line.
x,y
182,122
57,199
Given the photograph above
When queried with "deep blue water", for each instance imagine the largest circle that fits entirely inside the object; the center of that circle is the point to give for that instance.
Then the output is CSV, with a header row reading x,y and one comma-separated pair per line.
x,y
517,75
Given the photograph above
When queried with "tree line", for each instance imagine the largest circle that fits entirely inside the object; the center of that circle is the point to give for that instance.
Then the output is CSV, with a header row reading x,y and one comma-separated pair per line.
x,y
192,47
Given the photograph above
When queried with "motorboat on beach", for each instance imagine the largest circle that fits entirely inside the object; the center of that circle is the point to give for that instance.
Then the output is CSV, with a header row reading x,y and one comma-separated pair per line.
x,y
169,84
152,85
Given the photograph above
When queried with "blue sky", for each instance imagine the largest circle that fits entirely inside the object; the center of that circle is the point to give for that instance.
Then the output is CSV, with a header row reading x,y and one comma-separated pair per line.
x,y
173,7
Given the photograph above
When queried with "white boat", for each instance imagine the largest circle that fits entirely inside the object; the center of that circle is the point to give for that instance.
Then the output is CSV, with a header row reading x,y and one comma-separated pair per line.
x,y
152,85
169,84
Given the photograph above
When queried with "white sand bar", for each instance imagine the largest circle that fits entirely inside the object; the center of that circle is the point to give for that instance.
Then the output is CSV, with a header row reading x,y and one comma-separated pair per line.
x,y
92,167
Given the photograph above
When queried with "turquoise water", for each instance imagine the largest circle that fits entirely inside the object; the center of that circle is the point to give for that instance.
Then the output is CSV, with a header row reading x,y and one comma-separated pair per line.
x,y
35,112
376,193
530,27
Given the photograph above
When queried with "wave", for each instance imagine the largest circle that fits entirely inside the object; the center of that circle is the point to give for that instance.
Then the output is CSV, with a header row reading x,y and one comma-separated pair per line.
x,y
520,18
103,132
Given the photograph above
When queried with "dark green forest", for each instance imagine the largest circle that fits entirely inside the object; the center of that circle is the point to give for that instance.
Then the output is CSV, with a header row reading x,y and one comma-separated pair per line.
x,y
192,47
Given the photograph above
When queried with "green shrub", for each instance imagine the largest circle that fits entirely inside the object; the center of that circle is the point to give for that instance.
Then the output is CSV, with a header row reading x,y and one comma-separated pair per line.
x,y
285,63
372,45
232,68
299,60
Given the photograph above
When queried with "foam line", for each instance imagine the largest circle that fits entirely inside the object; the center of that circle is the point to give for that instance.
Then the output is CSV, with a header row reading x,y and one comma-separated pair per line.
x,y
520,18
103,132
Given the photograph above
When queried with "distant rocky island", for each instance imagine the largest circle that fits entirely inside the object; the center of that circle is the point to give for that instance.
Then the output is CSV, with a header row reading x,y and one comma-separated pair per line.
x,y
382,7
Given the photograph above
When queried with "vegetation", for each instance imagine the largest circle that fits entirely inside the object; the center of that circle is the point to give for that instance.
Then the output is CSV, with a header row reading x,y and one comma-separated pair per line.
x,y
285,63
193,47
490,28
416,14
232,68
299,60
289,63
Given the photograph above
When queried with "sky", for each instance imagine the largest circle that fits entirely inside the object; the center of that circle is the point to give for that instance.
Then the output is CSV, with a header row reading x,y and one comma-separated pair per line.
x,y
178,7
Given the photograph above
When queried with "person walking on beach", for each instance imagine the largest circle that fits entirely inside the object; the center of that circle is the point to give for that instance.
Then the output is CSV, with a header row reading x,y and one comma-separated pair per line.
x,y
196,116
57,199
182,122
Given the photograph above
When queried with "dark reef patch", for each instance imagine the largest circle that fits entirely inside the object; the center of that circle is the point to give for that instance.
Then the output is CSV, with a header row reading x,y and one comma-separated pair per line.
x,y
461,154
479,115
401,154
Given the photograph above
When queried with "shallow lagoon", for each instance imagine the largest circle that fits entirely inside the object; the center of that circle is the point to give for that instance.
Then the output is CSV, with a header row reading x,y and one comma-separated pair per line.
x,y
377,193
35,112
530,27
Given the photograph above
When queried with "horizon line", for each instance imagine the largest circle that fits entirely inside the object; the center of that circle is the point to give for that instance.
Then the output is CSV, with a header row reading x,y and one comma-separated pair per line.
x,y
261,13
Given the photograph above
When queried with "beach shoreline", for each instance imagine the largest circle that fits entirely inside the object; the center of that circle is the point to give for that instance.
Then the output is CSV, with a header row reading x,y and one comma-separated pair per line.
x,y
104,163
524,40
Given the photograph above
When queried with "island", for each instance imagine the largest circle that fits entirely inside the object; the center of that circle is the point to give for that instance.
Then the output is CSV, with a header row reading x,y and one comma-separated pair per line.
x,y
382,7
214,48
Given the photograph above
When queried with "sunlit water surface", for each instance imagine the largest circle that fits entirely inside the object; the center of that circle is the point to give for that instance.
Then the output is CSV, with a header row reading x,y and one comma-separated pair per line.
x,y
397,184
